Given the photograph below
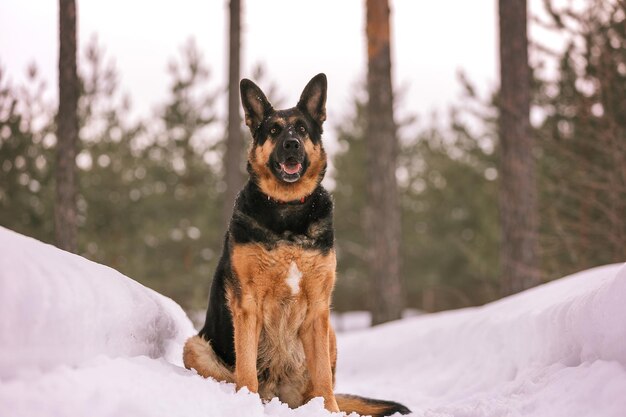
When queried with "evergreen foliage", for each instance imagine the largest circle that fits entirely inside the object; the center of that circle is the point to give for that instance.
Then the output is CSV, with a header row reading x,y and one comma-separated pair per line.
x,y
447,178
583,140
149,191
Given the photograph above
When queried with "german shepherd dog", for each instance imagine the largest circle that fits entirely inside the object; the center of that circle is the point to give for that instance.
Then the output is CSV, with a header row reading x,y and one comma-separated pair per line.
x,y
267,326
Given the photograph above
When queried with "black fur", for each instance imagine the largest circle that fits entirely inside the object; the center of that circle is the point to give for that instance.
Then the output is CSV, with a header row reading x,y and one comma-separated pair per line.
x,y
218,326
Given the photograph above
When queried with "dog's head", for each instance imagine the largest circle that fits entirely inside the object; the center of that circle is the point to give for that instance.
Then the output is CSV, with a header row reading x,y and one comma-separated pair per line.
x,y
287,159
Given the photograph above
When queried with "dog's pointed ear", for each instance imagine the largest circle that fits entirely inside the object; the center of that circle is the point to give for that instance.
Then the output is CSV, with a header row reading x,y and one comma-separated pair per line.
x,y
256,107
313,98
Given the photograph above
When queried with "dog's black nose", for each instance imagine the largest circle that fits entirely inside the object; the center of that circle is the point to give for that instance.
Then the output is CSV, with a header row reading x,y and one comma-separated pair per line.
x,y
291,144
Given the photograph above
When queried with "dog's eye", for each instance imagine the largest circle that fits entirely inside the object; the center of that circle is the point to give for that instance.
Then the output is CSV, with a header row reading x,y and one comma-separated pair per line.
x,y
302,129
274,130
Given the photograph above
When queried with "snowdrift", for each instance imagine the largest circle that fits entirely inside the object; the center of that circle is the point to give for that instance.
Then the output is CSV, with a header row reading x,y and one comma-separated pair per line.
x,y
78,338
555,350
57,308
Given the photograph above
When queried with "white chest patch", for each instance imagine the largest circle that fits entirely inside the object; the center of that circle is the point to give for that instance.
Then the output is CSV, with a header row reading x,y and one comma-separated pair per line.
x,y
293,278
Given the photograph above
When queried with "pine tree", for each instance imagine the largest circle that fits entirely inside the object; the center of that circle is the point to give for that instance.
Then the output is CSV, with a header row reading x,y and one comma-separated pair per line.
x,y
67,130
234,155
383,215
518,204
350,203
583,140
448,197
27,143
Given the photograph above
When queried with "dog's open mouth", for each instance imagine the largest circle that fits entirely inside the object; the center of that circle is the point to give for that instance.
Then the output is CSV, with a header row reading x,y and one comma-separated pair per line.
x,y
291,167
290,170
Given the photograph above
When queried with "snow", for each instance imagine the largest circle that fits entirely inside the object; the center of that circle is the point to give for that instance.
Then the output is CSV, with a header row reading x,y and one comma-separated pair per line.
x,y
78,338
555,350
57,308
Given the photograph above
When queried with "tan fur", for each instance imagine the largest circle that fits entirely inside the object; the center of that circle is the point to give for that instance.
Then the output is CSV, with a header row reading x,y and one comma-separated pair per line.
x,y
352,404
199,355
282,191
286,338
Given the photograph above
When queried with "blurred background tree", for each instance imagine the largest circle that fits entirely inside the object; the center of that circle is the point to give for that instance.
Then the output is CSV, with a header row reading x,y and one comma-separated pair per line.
x,y
518,186
234,155
27,157
382,210
583,139
65,210
447,178
149,193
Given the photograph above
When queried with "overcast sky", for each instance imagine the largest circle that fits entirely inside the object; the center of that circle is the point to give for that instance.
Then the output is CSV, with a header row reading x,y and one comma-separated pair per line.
x,y
294,40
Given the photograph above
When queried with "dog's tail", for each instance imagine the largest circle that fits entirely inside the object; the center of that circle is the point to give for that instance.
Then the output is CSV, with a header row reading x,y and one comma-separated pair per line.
x,y
368,406
199,355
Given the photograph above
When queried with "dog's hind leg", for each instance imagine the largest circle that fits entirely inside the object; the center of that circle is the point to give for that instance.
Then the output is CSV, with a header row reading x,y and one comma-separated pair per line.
x,y
199,355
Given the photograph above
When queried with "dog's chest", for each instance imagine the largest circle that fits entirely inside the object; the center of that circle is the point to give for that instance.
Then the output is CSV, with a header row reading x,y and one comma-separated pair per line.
x,y
284,272
281,280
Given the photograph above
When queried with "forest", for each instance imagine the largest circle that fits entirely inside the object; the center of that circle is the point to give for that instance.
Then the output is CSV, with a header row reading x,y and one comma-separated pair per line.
x,y
518,187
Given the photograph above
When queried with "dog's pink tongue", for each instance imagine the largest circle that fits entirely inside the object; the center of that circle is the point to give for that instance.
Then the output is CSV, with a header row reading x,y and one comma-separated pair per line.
x,y
291,168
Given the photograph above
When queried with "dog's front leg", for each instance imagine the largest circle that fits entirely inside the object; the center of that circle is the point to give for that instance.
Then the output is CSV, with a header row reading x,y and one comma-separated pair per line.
x,y
246,329
315,336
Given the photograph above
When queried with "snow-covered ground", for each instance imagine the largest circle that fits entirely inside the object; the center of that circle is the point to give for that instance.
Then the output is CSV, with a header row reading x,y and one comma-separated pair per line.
x,y
80,339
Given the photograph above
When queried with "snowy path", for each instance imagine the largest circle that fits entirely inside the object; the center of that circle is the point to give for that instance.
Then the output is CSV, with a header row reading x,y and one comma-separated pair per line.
x,y
80,339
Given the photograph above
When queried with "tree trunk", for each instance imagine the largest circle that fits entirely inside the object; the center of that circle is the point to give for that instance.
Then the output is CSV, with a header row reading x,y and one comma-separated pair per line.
x,y
383,211
67,130
235,148
518,205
